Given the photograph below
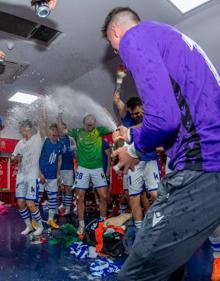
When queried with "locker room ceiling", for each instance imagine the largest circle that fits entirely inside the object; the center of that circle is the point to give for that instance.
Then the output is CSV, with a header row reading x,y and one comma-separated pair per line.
x,y
81,48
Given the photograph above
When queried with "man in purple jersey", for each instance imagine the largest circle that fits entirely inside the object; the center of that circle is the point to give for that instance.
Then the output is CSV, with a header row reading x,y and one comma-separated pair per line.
x,y
180,91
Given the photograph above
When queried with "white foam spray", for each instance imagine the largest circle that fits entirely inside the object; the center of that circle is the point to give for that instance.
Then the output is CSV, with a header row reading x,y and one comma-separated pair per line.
x,y
76,105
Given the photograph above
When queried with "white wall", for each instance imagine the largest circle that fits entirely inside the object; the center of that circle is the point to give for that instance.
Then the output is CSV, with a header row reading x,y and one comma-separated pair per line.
x,y
204,29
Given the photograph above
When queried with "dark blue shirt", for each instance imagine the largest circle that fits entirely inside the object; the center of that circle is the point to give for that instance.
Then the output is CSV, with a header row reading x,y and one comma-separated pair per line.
x,y
67,153
129,122
49,158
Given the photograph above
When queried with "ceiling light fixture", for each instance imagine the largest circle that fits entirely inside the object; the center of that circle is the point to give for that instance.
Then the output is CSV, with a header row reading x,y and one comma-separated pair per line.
x,y
42,8
23,98
185,6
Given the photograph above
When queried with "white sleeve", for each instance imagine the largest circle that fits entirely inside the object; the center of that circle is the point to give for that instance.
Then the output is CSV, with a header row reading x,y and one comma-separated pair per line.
x,y
17,149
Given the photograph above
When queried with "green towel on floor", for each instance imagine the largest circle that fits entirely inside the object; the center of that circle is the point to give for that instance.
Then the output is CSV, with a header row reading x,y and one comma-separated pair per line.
x,y
67,236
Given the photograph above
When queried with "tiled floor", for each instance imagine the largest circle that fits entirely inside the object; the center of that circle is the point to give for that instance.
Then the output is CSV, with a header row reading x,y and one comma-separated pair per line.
x,y
21,261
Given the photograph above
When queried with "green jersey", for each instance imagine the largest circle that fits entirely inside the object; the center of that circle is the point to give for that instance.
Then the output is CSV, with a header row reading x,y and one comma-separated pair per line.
x,y
89,146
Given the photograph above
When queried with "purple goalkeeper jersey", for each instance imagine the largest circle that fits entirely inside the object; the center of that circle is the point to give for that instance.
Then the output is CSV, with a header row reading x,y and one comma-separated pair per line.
x,y
180,90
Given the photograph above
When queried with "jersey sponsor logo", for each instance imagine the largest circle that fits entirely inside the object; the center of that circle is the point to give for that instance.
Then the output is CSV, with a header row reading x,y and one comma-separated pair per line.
x,y
157,217
52,158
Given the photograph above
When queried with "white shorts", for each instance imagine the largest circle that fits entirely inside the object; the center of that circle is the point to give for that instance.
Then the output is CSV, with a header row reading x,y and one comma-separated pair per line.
x,y
67,177
27,189
85,176
145,176
125,182
50,186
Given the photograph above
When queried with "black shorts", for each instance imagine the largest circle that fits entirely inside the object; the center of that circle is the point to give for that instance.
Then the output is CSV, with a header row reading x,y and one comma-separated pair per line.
x,y
184,215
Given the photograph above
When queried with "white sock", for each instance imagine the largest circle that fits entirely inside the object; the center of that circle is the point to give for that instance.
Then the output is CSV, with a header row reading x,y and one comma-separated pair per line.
x,y
28,223
82,223
138,224
67,211
39,230
28,228
51,215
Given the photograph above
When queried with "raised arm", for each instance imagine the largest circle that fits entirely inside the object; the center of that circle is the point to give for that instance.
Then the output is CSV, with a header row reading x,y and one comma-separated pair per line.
x,y
60,119
119,104
43,124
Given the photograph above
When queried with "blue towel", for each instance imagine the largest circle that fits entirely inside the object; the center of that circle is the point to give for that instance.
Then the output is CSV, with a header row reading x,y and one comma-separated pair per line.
x,y
103,267
80,250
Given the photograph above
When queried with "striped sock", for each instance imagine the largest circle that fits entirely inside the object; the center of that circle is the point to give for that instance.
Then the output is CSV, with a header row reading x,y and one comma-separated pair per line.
x,y
36,216
67,201
215,244
60,198
138,224
52,201
25,214
52,204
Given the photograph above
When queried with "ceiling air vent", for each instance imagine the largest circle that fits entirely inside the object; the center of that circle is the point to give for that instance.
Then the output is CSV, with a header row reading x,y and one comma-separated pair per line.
x,y
16,25
11,70
45,34
27,29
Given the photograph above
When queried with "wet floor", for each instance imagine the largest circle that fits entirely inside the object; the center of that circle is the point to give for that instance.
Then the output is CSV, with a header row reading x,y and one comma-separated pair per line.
x,y
20,260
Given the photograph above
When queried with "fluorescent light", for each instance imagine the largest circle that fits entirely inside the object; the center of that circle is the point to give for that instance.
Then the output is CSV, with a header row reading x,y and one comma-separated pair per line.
x,y
23,98
187,5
